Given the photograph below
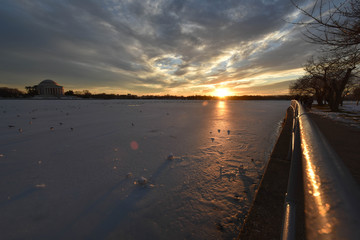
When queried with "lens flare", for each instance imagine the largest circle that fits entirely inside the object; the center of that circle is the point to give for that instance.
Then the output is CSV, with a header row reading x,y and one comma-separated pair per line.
x,y
134,145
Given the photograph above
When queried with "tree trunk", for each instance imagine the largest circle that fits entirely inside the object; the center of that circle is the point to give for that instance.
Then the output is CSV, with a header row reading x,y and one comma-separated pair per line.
x,y
319,97
319,100
337,90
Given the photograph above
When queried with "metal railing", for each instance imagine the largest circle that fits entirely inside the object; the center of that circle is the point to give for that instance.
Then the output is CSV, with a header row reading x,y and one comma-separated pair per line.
x,y
331,195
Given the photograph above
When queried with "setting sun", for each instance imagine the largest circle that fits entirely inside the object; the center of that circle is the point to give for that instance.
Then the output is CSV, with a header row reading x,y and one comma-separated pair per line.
x,y
222,92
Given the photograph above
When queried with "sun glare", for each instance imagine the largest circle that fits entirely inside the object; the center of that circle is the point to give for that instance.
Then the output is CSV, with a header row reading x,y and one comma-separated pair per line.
x,y
222,92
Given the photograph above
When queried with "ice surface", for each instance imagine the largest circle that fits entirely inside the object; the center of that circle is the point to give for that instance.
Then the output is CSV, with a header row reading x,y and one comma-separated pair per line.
x,y
73,172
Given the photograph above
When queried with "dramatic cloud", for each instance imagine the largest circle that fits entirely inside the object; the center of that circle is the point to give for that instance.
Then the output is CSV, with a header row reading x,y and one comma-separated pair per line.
x,y
147,47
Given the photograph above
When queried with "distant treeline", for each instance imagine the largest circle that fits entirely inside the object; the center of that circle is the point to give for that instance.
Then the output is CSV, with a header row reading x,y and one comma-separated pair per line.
x,y
11,93
88,94
193,97
15,93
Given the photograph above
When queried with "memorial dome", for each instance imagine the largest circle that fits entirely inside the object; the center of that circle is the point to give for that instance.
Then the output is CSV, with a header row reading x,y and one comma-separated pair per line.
x,y
48,82
49,87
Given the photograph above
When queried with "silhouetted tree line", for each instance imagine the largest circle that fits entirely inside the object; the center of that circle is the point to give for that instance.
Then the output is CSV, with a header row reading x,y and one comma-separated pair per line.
x,y
87,94
260,97
31,90
334,75
15,93
10,93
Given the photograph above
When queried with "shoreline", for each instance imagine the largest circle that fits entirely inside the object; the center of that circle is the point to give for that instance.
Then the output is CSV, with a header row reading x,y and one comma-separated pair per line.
x,y
264,219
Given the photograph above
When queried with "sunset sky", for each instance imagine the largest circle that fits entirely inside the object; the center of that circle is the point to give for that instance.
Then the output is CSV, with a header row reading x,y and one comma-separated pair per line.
x,y
152,47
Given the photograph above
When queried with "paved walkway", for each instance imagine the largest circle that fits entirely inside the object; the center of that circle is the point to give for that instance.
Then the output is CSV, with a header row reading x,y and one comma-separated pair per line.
x,y
344,139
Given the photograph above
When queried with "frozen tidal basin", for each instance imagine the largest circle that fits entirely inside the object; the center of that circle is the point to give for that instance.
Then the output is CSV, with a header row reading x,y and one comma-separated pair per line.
x,y
75,169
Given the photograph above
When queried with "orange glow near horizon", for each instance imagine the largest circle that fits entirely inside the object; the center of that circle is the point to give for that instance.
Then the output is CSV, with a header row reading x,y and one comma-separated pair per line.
x,y
222,92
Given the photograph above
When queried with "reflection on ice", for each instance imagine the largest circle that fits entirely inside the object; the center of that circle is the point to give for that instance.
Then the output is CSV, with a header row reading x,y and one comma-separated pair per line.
x,y
221,104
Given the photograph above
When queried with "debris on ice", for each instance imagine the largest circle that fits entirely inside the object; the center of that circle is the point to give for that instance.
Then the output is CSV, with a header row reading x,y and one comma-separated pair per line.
x,y
170,157
142,181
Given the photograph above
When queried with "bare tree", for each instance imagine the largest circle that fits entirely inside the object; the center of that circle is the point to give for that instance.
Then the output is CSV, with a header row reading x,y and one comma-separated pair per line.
x,y
31,90
356,94
328,77
337,75
309,86
302,87
331,23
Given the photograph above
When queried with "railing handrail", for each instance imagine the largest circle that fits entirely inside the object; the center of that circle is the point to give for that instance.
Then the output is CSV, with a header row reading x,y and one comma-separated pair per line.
x,y
331,195
291,198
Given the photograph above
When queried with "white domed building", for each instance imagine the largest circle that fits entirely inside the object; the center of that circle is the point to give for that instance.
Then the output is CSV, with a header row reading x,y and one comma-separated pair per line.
x,y
49,87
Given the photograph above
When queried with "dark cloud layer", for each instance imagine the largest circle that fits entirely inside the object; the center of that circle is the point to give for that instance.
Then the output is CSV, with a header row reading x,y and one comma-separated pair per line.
x,y
146,46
